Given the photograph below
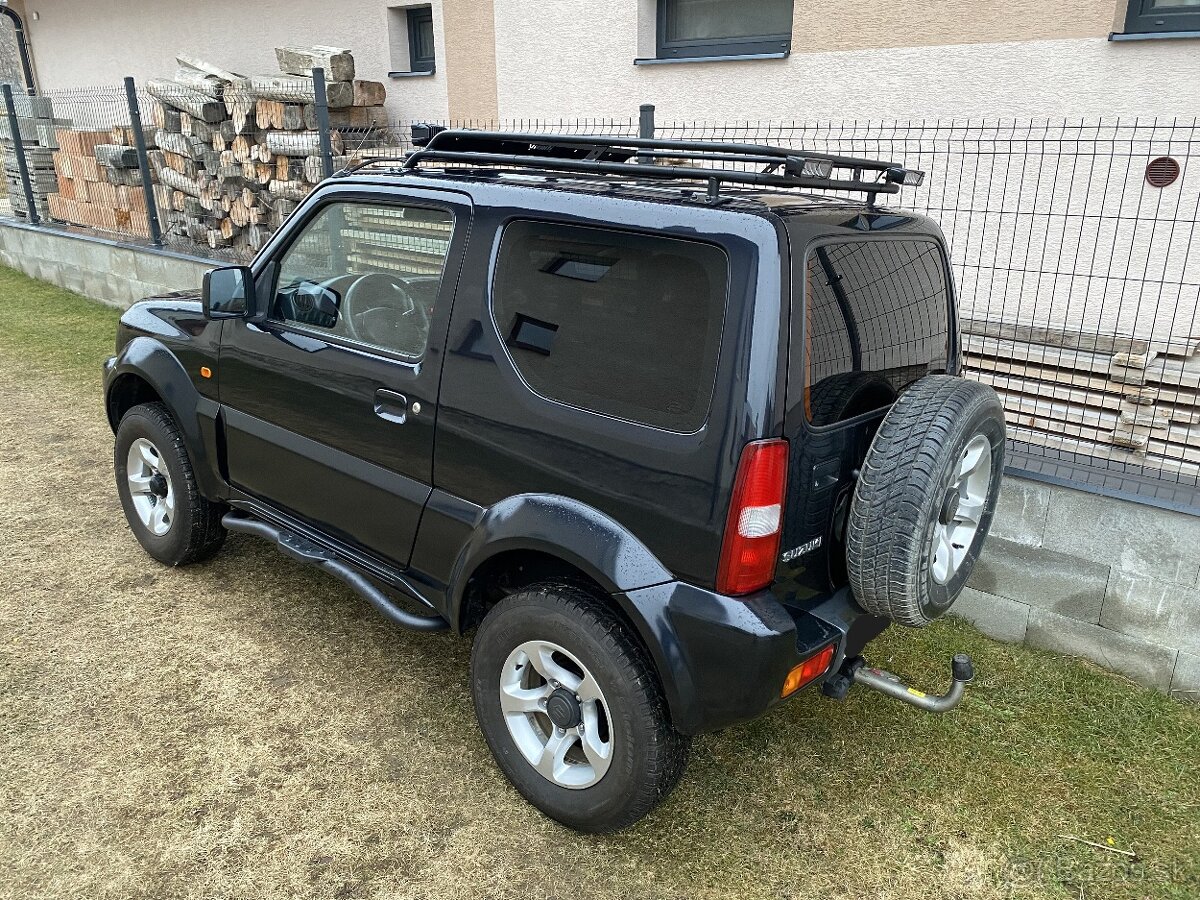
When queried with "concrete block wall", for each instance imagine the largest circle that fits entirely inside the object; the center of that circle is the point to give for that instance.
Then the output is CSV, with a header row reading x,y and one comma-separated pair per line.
x,y
105,270
1085,575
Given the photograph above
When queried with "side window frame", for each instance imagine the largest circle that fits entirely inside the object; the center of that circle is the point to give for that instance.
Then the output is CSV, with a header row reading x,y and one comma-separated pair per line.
x,y
268,272
751,45
499,332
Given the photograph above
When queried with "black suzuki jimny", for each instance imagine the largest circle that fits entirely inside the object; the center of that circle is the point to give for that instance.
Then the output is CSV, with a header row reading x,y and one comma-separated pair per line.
x,y
671,436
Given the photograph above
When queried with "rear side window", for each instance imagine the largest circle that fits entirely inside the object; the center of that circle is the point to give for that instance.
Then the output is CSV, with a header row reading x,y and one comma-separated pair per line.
x,y
877,319
623,324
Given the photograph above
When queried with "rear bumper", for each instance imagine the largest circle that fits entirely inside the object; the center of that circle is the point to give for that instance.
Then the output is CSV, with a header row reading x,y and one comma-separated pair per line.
x,y
723,660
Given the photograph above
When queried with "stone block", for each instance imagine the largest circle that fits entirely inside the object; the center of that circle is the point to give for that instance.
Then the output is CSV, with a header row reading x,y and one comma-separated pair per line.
x,y
1153,610
1137,539
1145,663
1021,511
1185,684
1044,578
997,617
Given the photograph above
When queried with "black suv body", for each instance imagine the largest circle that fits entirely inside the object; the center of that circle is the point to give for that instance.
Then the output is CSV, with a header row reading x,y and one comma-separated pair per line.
x,y
456,385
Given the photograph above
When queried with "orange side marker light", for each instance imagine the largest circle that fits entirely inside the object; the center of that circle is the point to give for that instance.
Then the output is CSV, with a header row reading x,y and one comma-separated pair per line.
x,y
205,372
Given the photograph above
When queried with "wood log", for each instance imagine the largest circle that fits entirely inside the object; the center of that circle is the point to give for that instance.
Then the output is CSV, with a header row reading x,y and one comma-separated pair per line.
x,y
158,160
368,93
200,65
211,160
301,143
289,190
216,240
178,181
179,143
200,82
177,200
292,118
239,213
348,117
269,114
172,120
299,89
229,129
185,99
337,63
116,156
241,148
281,208
314,170
263,173
256,236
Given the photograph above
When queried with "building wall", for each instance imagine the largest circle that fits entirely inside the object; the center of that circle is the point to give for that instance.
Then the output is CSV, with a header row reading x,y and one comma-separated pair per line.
x,y
916,60
100,42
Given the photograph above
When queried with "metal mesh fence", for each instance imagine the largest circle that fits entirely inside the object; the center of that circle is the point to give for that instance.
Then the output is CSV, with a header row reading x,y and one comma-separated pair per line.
x,y
1073,242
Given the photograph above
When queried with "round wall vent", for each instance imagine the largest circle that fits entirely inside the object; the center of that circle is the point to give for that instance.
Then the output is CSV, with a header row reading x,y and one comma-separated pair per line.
x,y
1162,172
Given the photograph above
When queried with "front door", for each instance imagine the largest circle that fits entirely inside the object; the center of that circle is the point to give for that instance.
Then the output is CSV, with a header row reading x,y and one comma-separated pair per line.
x,y
330,403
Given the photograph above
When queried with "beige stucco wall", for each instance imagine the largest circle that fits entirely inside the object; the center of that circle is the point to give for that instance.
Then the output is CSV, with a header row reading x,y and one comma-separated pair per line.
x,y
575,59
101,41
470,56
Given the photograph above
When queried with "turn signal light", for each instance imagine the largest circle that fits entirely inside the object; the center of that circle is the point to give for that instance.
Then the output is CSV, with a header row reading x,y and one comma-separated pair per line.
x,y
750,548
809,670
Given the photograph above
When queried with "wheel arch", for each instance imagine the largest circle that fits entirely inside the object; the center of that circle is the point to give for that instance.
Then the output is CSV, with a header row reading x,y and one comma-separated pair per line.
x,y
146,371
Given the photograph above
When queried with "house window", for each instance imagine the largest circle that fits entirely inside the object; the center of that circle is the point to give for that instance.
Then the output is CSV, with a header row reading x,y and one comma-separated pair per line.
x,y
697,28
410,32
1162,16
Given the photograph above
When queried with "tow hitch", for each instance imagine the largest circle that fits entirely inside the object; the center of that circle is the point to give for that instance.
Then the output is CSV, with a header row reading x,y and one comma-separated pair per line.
x,y
856,671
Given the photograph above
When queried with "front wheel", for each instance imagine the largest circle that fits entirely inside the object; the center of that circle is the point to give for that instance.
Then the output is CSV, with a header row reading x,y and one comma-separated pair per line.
x,y
172,521
572,709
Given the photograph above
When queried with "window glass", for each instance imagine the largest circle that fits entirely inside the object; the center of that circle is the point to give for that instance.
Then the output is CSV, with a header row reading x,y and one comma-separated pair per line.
x,y
877,315
713,20
623,324
366,273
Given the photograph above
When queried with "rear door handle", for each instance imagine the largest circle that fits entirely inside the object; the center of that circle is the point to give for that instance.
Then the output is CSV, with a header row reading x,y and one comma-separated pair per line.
x,y
391,406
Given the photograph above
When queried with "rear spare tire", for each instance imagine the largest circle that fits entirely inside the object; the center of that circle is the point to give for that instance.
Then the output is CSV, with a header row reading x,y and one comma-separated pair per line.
x,y
925,499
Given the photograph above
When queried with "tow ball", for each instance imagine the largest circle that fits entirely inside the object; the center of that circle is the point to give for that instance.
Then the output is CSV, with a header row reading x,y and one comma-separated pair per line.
x,y
857,671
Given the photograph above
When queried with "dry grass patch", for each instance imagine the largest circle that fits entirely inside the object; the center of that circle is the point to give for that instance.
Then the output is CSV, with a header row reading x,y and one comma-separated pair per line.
x,y
249,728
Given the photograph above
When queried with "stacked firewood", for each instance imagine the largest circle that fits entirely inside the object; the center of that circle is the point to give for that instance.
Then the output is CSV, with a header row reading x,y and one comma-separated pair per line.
x,y
235,154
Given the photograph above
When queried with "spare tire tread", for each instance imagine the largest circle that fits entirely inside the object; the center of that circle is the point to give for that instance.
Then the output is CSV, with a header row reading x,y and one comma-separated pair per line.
x,y
886,530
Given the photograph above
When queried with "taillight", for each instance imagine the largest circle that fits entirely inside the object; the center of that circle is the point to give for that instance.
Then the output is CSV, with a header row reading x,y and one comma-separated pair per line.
x,y
752,531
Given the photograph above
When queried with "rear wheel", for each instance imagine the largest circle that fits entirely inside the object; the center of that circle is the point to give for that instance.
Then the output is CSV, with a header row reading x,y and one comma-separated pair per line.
x,y
925,499
572,709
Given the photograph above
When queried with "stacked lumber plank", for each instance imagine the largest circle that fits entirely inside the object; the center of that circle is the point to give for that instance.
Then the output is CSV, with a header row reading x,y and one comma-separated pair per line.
x,y
36,125
235,154
99,182
1133,400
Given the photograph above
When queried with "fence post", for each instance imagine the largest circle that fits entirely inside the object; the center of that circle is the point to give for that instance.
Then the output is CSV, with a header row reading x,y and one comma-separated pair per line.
x,y
646,129
322,104
139,142
14,133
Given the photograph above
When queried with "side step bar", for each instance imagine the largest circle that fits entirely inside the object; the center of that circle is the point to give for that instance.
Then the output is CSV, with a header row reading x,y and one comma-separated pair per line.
x,y
857,671
290,544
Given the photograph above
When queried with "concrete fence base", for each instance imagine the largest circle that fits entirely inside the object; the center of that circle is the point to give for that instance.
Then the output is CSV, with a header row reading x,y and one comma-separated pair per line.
x,y
1105,579
1075,573
106,270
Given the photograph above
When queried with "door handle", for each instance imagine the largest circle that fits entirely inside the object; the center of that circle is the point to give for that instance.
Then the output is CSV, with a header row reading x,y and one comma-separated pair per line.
x,y
391,406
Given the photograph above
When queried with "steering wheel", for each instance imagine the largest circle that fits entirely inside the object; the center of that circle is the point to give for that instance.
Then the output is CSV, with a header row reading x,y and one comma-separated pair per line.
x,y
378,309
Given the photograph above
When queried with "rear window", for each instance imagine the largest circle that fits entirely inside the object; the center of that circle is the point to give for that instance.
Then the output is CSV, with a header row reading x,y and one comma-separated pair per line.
x,y
623,324
877,319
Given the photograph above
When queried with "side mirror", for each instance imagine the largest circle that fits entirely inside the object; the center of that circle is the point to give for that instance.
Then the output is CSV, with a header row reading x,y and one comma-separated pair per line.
x,y
228,293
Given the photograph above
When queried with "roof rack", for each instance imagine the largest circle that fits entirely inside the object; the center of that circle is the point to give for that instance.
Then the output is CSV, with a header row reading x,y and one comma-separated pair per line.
x,y
651,158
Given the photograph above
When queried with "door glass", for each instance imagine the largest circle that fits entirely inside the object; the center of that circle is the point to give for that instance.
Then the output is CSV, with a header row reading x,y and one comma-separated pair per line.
x,y
366,273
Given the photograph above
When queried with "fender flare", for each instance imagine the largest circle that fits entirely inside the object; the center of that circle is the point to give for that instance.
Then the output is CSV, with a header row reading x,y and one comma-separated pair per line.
x,y
572,531
155,364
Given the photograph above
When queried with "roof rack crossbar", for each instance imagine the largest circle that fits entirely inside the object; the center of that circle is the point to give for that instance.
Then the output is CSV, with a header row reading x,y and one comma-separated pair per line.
x,y
550,163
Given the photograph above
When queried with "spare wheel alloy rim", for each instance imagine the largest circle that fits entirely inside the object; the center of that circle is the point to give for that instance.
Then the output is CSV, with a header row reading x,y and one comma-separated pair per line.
x,y
962,509
556,714
150,487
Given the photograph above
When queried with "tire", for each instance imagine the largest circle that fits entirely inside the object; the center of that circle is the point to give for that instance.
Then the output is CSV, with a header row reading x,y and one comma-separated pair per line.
x,y
646,756
191,530
910,544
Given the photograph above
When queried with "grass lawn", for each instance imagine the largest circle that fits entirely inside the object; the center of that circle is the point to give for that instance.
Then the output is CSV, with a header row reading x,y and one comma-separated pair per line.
x,y
247,727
